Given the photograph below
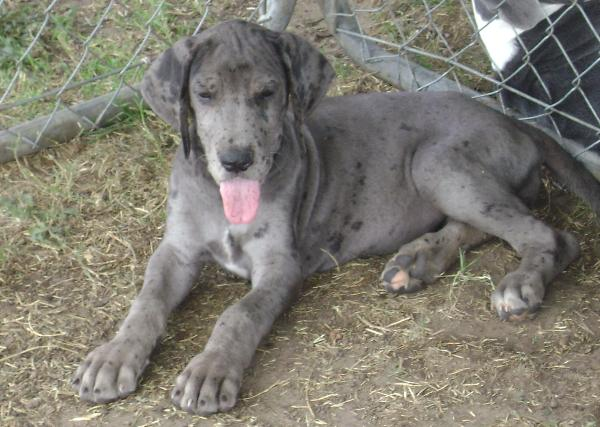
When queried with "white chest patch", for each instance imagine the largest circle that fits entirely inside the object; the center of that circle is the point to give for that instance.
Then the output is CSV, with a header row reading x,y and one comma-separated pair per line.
x,y
233,261
500,37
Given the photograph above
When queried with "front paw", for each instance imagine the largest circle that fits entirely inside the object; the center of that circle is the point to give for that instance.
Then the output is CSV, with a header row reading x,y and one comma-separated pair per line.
x,y
210,383
519,295
110,372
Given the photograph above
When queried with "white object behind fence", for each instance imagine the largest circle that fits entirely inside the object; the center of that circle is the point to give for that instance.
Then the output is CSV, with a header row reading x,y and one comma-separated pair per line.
x,y
547,56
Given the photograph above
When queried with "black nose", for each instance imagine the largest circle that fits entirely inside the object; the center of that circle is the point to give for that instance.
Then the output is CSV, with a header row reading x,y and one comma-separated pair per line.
x,y
236,159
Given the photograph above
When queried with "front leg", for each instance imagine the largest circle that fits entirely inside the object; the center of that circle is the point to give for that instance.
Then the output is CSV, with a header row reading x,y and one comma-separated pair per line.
x,y
112,370
211,381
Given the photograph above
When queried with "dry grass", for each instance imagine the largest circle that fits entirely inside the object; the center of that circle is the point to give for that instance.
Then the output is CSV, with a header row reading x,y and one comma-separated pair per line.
x,y
78,223
439,27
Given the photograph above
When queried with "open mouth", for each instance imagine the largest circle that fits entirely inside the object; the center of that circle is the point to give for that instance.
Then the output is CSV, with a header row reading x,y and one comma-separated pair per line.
x,y
241,198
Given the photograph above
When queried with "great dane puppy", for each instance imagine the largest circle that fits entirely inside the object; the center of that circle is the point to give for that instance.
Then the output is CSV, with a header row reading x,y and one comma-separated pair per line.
x,y
275,183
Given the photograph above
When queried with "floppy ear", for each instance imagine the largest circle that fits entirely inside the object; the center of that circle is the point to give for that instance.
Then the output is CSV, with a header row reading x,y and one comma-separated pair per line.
x,y
308,73
165,86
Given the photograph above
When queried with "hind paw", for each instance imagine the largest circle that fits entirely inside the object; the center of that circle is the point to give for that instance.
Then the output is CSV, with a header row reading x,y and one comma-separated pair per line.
x,y
406,273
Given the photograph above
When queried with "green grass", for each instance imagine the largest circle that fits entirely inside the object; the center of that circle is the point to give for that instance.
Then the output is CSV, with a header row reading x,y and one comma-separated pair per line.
x,y
62,44
464,272
17,28
44,207
403,21
344,70
45,224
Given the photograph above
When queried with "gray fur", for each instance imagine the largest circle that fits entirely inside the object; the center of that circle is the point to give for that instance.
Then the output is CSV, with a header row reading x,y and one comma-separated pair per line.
x,y
361,175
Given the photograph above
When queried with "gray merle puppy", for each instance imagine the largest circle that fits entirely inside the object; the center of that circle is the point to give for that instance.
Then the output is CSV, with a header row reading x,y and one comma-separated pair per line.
x,y
272,181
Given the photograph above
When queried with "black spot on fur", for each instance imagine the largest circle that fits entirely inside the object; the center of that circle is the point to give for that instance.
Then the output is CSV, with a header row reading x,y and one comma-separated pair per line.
x,y
358,165
487,208
356,225
261,231
322,63
335,241
347,219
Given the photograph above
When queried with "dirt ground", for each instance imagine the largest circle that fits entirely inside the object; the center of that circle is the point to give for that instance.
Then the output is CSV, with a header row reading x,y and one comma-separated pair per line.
x,y
78,223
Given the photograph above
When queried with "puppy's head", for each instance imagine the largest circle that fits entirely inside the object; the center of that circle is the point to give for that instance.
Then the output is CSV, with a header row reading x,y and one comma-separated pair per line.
x,y
227,91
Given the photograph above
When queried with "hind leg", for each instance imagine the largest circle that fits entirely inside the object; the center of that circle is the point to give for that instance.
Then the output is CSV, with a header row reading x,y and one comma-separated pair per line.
x,y
519,294
473,196
419,262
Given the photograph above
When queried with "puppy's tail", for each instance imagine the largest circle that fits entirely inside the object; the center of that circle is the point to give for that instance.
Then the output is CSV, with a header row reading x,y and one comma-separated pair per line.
x,y
567,170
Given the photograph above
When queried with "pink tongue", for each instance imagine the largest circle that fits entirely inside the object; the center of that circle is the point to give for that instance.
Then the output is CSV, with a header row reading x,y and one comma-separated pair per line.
x,y
240,200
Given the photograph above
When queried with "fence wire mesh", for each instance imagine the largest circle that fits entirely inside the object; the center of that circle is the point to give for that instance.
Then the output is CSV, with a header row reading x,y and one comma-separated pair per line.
x,y
70,65
57,55
541,57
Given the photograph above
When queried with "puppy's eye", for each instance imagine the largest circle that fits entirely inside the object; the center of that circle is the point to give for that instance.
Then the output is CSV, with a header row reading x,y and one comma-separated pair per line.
x,y
264,94
205,96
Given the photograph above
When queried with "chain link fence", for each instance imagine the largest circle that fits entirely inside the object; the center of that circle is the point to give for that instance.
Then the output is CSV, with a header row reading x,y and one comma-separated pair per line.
x,y
73,65
539,60
68,66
